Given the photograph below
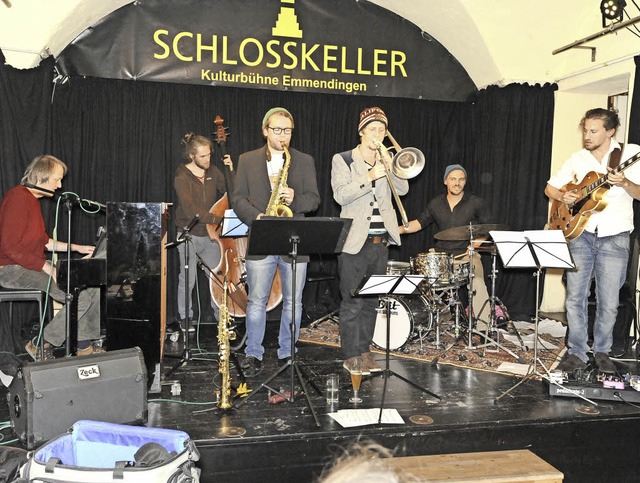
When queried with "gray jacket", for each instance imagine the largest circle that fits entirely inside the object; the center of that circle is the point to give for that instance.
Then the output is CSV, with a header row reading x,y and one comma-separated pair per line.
x,y
352,191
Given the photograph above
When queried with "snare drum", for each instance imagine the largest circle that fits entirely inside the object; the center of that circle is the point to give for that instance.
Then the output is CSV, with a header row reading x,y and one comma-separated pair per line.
x,y
406,314
435,266
398,268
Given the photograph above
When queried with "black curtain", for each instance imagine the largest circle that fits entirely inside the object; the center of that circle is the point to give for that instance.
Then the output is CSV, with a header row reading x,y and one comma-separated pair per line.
x,y
121,140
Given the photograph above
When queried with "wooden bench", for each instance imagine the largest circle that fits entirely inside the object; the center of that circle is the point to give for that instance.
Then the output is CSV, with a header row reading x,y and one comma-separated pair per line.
x,y
486,467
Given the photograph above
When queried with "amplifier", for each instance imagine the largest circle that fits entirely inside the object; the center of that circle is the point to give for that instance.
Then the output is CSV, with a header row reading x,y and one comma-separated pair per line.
x,y
46,398
595,391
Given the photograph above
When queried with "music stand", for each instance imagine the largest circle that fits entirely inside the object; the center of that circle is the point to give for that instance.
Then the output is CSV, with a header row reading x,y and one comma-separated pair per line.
x,y
391,285
295,236
537,249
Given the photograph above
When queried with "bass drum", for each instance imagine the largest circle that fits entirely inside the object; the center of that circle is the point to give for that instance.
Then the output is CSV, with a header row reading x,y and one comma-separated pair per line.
x,y
407,314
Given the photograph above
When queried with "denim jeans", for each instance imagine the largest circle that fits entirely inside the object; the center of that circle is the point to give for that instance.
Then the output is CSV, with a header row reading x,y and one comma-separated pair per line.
x,y
16,276
260,275
605,259
209,252
358,314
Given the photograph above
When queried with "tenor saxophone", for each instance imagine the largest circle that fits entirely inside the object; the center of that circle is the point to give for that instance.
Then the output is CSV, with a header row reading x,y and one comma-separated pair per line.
x,y
276,206
225,334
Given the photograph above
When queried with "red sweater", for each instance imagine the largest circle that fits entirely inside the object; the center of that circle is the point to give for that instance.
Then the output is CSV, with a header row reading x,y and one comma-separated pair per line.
x,y
23,237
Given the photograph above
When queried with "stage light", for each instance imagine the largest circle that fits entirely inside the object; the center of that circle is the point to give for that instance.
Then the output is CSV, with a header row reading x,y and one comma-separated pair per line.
x,y
612,10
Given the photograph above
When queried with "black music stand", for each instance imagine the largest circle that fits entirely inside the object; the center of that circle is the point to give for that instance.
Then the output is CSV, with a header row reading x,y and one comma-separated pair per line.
x,y
295,236
538,249
391,285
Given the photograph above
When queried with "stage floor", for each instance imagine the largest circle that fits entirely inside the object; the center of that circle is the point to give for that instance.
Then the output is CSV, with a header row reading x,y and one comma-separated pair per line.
x,y
261,441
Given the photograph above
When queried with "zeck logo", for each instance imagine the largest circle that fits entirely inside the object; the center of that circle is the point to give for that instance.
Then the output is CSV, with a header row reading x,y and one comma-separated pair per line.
x,y
88,372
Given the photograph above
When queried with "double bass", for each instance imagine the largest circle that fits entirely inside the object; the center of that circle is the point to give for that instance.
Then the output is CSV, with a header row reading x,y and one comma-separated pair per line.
x,y
232,249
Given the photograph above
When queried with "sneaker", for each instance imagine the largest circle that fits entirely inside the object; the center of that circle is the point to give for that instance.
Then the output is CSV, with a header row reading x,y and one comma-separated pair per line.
x,y
571,363
370,363
89,351
34,351
604,363
251,366
349,363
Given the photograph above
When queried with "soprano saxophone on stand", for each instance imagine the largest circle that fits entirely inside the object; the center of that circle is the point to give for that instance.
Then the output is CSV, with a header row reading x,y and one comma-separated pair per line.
x,y
225,334
276,206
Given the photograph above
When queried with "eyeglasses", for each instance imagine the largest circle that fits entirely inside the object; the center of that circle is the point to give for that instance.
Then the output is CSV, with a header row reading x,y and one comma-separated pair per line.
x,y
281,130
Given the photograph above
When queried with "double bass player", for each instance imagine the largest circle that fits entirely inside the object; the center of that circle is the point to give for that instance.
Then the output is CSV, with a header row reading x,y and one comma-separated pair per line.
x,y
198,186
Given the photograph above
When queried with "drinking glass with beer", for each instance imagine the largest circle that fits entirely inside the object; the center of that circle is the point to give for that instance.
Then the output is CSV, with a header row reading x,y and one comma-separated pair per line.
x,y
356,379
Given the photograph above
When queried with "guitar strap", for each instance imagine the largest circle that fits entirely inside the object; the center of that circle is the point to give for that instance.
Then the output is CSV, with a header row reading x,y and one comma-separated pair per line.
x,y
614,158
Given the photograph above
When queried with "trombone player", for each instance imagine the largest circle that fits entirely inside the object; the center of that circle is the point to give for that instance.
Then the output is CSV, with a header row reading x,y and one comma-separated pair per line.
x,y
256,189
364,186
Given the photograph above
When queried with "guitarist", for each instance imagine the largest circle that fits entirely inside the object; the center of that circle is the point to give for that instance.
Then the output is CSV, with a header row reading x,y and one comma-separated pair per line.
x,y
602,249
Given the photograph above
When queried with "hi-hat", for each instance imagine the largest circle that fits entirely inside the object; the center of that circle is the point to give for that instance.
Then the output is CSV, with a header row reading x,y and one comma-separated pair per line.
x,y
465,232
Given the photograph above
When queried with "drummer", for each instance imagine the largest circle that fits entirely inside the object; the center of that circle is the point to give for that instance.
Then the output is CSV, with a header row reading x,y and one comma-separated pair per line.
x,y
456,208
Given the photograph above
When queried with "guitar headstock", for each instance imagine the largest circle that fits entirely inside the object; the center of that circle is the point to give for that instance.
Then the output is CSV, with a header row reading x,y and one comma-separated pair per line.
x,y
221,132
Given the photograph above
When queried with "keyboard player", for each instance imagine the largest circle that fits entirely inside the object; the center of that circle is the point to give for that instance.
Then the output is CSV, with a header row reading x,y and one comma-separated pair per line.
x,y
24,265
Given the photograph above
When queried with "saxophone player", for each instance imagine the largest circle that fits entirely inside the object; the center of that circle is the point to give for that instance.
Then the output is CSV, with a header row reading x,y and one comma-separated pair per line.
x,y
257,176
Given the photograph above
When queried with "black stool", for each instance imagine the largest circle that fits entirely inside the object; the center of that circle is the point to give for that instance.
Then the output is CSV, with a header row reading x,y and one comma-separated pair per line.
x,y
11,295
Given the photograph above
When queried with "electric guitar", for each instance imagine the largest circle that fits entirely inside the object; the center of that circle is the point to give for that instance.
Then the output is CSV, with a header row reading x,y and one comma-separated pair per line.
x,y
592,189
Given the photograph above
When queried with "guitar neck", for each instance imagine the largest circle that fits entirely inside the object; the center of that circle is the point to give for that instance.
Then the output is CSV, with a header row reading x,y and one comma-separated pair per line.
x,y
603,179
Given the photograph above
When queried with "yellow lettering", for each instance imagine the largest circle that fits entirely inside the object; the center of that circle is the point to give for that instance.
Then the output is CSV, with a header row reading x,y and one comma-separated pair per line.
x,y
344,68
397,62
287,51
361,69
213,48
259,57
225,59
329,58
165,47
378,61
176,40
276,55
306,57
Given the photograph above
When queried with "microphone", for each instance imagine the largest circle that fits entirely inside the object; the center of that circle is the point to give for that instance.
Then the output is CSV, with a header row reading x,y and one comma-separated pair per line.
x,y
185,232
38,188
192,223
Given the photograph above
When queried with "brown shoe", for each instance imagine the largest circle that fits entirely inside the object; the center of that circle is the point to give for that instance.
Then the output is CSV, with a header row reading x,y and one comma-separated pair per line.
x,y
350,364
34,351
370,363
89,351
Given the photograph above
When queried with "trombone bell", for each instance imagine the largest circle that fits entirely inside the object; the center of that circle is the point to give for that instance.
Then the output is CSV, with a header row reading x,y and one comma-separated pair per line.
x,y
408,163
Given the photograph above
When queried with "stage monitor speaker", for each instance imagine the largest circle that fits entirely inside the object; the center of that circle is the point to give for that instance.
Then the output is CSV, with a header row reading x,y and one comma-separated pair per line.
x,y
46,398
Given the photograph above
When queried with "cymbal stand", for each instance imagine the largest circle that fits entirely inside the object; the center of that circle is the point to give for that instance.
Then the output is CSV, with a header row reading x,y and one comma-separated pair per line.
x,y
484,335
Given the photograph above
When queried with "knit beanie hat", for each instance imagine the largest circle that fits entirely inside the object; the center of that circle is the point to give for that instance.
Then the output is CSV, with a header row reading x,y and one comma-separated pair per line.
x,y
371,114
271,112
453,167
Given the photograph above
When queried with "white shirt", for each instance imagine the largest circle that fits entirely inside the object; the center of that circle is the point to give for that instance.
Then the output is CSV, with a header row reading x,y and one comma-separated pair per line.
x,y
617,216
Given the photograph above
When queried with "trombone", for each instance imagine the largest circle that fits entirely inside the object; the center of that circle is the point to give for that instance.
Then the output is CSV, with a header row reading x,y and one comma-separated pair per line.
x,y
406,164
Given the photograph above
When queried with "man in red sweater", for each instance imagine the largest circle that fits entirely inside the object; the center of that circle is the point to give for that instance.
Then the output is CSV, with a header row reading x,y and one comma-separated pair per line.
x,y
23,264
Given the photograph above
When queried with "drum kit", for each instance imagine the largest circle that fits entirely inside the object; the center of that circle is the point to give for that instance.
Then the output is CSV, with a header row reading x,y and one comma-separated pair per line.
x,y
418,317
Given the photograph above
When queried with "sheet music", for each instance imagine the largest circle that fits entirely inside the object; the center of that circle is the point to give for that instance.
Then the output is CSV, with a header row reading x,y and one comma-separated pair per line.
x,y
391,284
232,226
349,418
550,248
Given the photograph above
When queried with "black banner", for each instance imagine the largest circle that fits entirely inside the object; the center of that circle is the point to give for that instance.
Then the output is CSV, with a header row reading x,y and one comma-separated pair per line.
x,y
329,46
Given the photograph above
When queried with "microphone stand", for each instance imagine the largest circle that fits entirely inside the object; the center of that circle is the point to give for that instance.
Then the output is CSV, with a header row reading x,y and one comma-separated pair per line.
x,y
186,239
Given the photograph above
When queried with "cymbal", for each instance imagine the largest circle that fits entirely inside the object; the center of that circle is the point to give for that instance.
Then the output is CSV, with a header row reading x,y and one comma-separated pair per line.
x,y
464,232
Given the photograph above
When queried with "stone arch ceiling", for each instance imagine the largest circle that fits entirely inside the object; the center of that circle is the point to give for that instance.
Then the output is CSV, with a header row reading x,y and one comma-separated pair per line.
x,y
497,42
